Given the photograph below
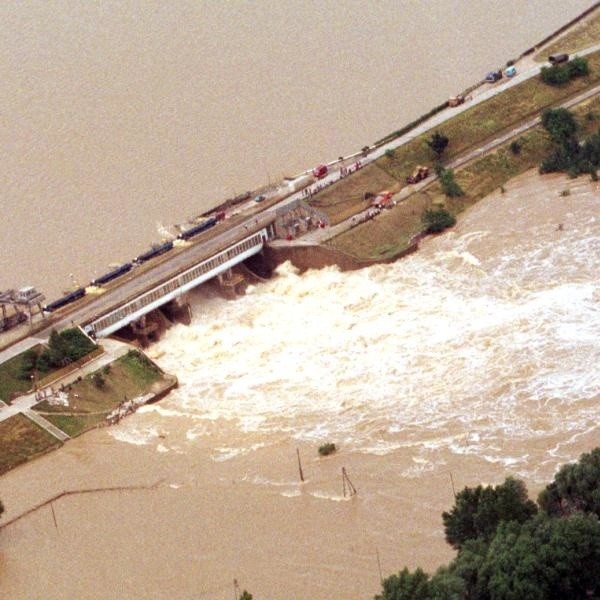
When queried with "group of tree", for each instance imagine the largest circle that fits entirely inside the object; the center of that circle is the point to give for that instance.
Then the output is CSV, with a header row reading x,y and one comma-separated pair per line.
x,y
509,548
569,154
63,348
563,73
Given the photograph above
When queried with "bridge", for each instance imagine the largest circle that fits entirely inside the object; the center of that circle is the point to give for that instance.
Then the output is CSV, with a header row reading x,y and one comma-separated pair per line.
x,y
179,284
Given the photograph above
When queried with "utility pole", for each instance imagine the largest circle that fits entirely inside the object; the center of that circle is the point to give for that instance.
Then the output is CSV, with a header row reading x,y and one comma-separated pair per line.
x,y
347,483
300,465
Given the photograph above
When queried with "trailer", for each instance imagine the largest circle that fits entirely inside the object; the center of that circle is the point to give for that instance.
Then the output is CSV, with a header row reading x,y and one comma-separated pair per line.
x,y
67,299
196,229
156,251
112,274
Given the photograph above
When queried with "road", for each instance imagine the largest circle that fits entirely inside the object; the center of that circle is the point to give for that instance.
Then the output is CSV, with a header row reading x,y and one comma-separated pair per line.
x,y
322,235
141,279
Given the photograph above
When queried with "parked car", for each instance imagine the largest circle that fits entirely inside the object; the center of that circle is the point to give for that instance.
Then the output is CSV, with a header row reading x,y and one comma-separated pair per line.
x,y
455,100
510,71
259,198
493,76
556,59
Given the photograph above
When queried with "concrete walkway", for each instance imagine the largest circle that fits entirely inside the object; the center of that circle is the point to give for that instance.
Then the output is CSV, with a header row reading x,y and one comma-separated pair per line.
x,y
318,236
113,349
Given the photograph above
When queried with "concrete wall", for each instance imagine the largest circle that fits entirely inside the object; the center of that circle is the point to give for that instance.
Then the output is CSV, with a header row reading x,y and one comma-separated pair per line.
x,y
316,257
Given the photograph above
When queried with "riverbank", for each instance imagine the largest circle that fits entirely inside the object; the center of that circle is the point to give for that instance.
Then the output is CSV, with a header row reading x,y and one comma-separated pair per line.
x,y
111,386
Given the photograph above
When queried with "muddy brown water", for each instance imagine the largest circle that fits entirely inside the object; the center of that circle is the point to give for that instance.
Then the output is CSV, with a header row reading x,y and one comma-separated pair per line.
x,y
475,357
117,117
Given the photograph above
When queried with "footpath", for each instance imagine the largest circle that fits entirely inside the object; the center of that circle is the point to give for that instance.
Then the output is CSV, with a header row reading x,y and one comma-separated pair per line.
x,y
318,236
113,349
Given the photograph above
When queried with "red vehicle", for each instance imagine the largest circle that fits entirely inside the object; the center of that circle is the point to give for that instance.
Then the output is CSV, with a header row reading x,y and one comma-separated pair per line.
x,y
320,171
383,200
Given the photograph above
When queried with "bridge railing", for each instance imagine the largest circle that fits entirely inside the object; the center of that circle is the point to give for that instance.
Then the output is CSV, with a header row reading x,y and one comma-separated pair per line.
x,y
170,289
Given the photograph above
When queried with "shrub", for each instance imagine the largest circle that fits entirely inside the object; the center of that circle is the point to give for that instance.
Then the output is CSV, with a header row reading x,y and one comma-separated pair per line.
x,y
515,147
327,449
578,67
562,74
438,143
99,380
390,153
106,369
449,185
555,75
437,220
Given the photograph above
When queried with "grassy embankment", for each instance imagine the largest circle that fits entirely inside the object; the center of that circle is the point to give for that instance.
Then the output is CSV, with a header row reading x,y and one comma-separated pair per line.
x,y
11,384
389,233
21,440
18,374
583,35
95,396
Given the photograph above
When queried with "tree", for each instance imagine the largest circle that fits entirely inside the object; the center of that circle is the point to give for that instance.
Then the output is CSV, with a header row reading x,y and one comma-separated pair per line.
x,y
28,363
576,488
437,220
438,143
544,559
406,586
478,511
560,124
448,183
246,595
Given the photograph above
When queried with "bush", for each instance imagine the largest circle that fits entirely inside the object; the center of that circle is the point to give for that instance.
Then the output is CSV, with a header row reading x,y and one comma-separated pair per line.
x,y
578,67
28,364
327,449
106,369
555,75
515,147
438,143
449,185
64,348
562,74
390,153
437,220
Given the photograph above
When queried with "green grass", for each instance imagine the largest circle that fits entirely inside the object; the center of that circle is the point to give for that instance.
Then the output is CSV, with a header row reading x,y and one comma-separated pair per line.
x,y
10,384
75,425
583,35
389,233
487,120
465,131
22,440
128,377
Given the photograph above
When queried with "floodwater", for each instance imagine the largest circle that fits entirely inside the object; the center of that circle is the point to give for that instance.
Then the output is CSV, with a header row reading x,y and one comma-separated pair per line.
x,y
121,115
474,358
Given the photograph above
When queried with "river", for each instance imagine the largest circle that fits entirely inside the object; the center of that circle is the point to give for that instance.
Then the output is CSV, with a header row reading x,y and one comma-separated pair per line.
x,y
119,116
471,360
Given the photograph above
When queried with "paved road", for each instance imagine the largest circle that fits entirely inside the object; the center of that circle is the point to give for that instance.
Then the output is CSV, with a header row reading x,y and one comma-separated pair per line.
x,y
322,235
140,280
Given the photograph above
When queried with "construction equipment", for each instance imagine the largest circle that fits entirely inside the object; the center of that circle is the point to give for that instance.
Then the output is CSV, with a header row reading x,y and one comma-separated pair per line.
x,y
418,174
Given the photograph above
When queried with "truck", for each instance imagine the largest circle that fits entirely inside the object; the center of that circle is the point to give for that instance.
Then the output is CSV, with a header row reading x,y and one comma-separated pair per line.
x,y
299,183
383,200
555,59
418,174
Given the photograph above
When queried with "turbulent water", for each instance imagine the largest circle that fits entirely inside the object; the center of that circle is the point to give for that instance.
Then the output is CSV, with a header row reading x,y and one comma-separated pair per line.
x,y
472,360
119,115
